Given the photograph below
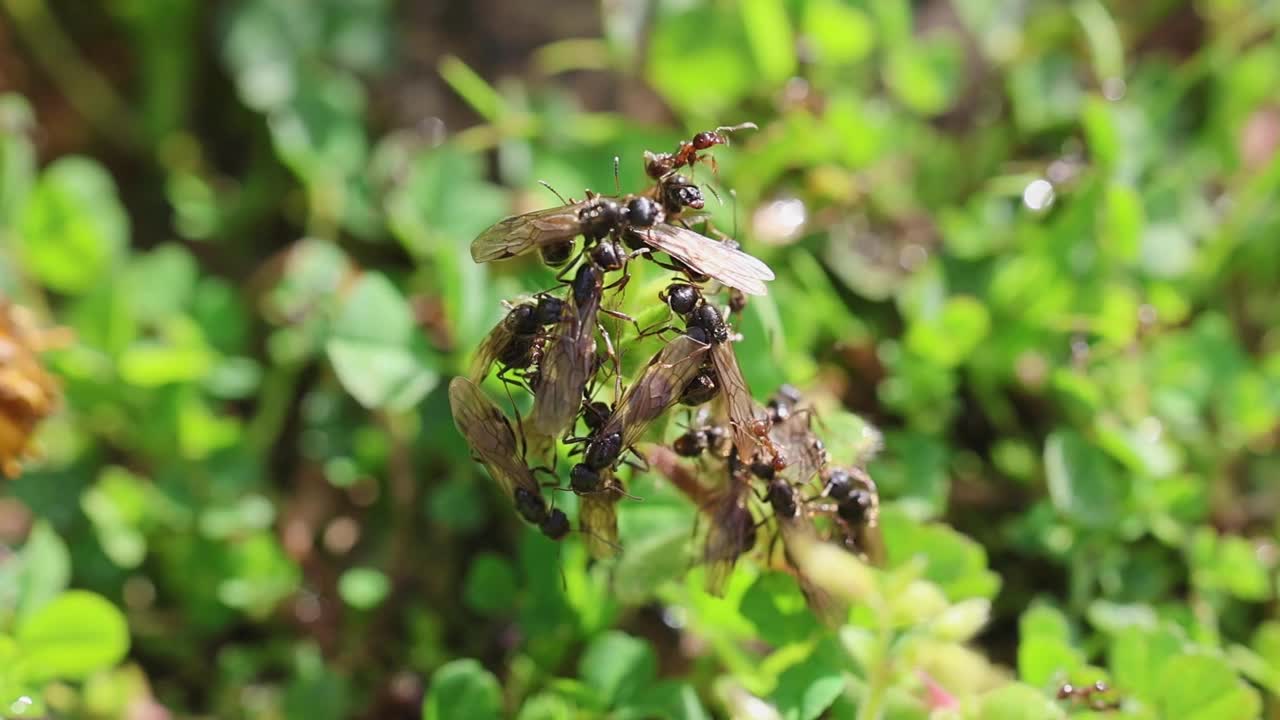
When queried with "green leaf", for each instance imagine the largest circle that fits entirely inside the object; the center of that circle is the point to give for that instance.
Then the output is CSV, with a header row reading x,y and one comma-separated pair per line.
x,y
363,588
1082,483
1044,621
490,587
840,34
690,46
463,686
1012,702
376,350
1202,687
1042,660
1124,220
954,561
651,560
952,334
769,34
1138,656
805,690
546,706
73,228
75,635
45,568
924,76
617,666
775,605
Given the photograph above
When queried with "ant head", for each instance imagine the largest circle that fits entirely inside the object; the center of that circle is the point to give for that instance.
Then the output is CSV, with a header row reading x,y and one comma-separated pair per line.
x,y
838,483
531,506
523,319
549,309
764,471
691,444
678,193
556,526
594,414
608,255
708,139
682,298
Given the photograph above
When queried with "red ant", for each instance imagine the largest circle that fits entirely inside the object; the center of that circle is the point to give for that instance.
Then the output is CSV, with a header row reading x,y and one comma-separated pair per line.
x,y
661,165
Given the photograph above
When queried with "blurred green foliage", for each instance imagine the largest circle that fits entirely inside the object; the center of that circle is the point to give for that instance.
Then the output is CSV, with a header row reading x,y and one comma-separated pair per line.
x,y
1032,241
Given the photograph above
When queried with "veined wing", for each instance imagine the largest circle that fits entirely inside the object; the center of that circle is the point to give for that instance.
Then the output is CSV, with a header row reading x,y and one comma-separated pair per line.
x,y
731,532
490,435
566,368
598,518
657,388
730,266
519,234
804,450
743,409
795,531
488,351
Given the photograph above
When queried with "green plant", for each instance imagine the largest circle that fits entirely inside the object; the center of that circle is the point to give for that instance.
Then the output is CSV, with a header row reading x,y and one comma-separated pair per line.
x,y
1030,241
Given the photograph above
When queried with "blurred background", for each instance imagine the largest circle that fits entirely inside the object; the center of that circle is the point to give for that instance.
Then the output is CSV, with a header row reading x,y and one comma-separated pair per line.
x,y
1033,242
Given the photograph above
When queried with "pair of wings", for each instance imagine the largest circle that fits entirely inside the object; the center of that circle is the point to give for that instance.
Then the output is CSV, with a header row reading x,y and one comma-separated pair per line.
x,y
488,432
657,388
566,368
522,233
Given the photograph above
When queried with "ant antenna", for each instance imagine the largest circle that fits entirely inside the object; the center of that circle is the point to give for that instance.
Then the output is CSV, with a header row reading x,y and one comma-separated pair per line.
x,y
617,182
713,192
547,185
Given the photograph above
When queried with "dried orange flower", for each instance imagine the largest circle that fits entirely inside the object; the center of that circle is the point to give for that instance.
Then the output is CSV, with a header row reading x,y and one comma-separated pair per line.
x,y
28,393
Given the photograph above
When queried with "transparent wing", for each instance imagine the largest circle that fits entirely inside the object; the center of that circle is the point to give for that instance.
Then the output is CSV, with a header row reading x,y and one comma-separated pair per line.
x,y
730,266
566,368
730,534
804,451
657,388
743,409
598,519
796,531
521,233
490,435
488,351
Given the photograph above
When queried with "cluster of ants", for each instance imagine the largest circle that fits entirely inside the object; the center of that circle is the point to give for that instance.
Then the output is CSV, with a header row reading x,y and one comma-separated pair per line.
x,y
547,345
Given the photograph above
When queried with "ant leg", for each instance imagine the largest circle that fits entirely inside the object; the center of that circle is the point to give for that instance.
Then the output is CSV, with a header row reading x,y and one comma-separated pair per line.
x,y
614,359
617,183
644,462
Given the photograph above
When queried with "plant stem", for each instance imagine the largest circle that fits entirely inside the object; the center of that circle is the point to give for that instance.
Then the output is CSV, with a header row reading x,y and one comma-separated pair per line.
x,y
82,85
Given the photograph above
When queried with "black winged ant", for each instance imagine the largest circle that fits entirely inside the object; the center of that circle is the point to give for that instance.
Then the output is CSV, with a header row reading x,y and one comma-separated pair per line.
x,y
702,321
570,360
656,389
493,442
640,221
857,508
516,343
